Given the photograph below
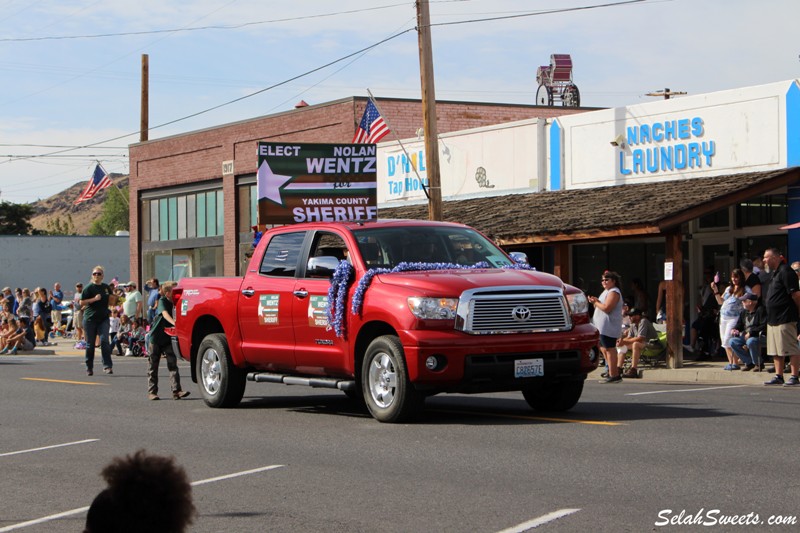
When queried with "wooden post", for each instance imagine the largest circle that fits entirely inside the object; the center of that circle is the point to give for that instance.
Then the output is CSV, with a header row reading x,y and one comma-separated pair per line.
x,y
429,111
675,299
144,124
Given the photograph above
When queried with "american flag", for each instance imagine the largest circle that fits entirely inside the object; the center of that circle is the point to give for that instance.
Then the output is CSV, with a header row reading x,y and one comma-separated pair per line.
x,y
372,128
100,180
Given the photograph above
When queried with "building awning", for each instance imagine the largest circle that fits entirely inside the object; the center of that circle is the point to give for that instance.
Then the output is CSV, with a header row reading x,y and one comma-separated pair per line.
x,y
603,212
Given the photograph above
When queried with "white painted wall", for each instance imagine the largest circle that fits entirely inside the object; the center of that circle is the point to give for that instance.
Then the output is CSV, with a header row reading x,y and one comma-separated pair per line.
x,y
506,153
32,261
735,131
746,127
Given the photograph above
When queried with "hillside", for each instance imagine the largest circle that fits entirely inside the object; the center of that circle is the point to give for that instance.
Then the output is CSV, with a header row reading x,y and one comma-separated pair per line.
x,y
61,206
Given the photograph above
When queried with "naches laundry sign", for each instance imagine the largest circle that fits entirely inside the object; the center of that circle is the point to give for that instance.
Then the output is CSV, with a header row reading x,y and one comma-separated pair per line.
x,y
666,146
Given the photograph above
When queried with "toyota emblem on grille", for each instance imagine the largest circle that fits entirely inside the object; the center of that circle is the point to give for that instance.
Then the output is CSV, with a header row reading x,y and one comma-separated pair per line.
x,y
521,313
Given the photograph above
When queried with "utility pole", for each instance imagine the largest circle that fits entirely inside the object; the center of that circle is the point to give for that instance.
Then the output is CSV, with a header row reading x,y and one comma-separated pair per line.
x,y
144,113
429,111
666,93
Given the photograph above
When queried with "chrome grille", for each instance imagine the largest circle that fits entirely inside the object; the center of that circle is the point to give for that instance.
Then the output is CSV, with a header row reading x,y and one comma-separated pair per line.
x,y
513,310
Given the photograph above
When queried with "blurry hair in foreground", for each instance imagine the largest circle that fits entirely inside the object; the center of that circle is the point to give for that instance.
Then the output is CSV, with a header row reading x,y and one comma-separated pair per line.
x,y
145,493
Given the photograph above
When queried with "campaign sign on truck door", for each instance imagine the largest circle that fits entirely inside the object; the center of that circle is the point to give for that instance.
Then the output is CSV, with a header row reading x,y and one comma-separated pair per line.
x,y
301,182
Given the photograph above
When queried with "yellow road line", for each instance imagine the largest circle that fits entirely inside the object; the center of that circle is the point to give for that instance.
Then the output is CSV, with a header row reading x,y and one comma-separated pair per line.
x,y
530,417
66,381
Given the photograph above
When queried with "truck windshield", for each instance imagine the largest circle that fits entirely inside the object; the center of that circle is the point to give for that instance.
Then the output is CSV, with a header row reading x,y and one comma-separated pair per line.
x,y
387,247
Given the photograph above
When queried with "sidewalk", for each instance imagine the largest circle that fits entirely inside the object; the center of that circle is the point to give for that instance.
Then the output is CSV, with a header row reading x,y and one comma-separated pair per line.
x,y
701,372
59,346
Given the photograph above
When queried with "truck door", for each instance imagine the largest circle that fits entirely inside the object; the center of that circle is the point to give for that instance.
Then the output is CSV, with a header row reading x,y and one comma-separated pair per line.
x,y
265,304
319,350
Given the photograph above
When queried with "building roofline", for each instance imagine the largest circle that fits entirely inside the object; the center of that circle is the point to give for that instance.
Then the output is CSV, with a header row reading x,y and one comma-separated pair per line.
x,y
345,100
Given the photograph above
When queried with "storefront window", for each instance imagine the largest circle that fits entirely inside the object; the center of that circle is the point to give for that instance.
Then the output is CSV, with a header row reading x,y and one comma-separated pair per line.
x,y
181,217
753,247
717,219
154,220
201,214
191,214
211,214
177,264
184,216
769,210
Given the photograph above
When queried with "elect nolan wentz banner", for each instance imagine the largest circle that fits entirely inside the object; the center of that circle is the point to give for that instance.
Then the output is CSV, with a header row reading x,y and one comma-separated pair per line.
x,y
300,182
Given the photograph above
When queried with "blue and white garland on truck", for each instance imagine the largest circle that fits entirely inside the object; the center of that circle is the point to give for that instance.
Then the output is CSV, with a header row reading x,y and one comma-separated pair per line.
x,y
340,281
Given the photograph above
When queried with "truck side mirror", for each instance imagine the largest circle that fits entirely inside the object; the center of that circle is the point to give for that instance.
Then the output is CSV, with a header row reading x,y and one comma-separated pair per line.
x,y
520,257
322,266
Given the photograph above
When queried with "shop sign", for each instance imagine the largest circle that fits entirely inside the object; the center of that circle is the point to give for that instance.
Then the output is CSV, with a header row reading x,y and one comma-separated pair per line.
x,y
666,146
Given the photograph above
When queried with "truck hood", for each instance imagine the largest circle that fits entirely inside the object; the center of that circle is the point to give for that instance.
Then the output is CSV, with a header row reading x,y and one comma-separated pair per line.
x,y
452,283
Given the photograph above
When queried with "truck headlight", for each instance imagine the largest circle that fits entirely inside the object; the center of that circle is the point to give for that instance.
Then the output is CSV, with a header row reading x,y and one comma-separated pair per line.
x,y
578,304
433,308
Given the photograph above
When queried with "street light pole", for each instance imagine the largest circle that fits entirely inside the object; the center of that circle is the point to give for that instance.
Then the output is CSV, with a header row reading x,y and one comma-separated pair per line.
x,y
429,111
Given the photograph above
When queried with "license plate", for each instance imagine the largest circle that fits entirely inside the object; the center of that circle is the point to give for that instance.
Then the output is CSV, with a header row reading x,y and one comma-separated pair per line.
x,y
528,368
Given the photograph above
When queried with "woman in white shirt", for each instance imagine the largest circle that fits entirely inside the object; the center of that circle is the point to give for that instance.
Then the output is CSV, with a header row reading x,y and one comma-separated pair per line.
x,y
607,319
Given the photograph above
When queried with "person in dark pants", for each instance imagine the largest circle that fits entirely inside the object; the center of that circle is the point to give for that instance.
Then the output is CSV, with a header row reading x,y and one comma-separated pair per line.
x,y
160,343
96,299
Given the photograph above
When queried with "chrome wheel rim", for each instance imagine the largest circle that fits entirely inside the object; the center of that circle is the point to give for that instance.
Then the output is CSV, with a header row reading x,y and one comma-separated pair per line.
x,y
210,371
382,380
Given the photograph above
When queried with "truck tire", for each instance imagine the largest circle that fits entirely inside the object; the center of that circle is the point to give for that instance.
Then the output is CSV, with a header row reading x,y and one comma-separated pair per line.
x,y
560,396
388,393
221,383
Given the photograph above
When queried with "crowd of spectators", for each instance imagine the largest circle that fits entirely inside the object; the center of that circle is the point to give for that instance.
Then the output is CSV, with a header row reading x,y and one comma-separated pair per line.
x,y
31,318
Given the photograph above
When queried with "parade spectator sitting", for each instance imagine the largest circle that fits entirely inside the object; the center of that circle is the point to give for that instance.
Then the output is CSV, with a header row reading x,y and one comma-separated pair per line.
x,y
123,335
137,335
640,332
746,333
19,340
6,330
6,312
42,316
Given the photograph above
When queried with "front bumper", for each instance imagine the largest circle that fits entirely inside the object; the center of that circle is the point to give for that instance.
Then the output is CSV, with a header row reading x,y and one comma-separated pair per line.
x,y
486,363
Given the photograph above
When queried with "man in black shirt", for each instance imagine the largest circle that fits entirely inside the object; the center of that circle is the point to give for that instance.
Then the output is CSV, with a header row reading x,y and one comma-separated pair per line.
x,y
95,299
783,310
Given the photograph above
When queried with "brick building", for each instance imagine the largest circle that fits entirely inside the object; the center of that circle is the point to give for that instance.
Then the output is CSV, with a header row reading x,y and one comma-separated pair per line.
x,y
195,192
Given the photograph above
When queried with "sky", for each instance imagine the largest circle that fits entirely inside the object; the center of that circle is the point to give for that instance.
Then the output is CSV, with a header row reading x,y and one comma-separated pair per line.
x,y
70,72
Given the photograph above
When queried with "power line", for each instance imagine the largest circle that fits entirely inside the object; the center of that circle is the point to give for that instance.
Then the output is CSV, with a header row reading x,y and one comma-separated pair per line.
x,y
59,146
284,82
196,28
317,69
540,12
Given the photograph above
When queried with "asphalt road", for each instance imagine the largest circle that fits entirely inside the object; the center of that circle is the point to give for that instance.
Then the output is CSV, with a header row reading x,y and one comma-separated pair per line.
x,y
628,457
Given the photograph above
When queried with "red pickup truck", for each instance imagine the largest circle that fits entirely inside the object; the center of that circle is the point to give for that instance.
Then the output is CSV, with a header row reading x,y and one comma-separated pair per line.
x,y
388,312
